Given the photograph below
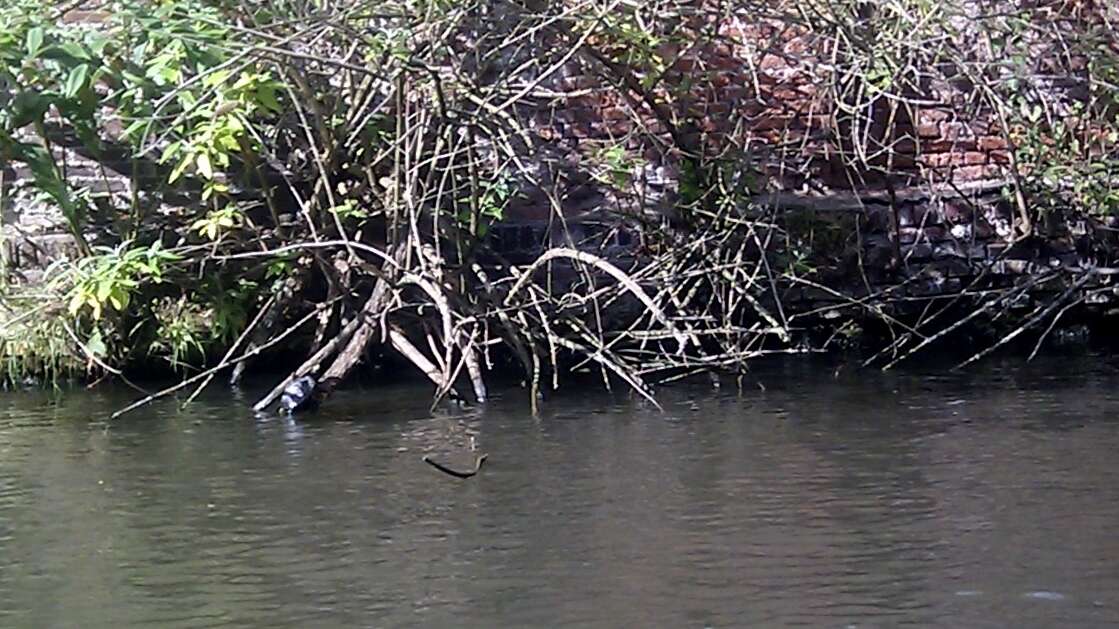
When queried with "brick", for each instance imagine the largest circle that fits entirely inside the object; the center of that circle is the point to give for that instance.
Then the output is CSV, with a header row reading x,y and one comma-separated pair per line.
x,y
956,131
796,47
999,157
579,82
613,128
974,157
932,234
957,212
772,62
945,146
770,123
974,173
933,115
614,113
939,160
992,143
737,90
808,90
928,130
904,145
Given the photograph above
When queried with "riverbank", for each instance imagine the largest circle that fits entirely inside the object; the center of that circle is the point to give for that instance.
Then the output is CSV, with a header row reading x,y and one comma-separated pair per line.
x,y
650,199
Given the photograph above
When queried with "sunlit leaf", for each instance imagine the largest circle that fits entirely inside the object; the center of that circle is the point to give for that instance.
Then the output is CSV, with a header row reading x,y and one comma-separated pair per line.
x,y
76,303
131,129
180,169
119,299
34,40
170,151
96,344
103,290
202,161
76,80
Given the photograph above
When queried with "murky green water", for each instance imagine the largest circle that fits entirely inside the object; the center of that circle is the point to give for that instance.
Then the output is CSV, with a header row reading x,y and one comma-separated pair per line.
x,y
982,500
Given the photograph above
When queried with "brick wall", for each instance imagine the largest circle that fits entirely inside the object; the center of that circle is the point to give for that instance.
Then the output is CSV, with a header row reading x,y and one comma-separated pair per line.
x,y
764,86
761,86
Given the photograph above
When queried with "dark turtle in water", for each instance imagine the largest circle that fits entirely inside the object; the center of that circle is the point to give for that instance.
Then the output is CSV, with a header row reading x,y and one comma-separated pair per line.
x,y
300,395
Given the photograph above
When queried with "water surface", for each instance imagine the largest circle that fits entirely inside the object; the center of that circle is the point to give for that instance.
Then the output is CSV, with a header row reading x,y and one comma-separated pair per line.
x,y
988,499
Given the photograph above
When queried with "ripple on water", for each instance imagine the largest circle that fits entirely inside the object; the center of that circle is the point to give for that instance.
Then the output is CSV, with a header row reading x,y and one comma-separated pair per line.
x,y
1043,595
815,503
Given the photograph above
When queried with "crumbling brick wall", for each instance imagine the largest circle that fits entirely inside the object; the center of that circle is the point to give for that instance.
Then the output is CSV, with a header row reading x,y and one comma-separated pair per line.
x,y
766,86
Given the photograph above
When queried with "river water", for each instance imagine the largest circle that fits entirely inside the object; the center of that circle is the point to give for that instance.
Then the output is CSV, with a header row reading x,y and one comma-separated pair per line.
x,y
985,499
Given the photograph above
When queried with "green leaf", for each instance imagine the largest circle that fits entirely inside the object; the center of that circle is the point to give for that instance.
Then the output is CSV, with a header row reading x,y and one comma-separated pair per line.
x,y
67,51
27,107
103,290
179,170
187,99
169,152
131,129
119,299
76,303
228,143
96,43
34,40
96,344
215,78
76,81
266,95
204,167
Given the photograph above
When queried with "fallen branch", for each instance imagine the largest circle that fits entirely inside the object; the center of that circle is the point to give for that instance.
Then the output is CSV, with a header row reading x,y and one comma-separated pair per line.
x,y
609,269
446,470
1029,323
309,365
222,365
100,363
233,348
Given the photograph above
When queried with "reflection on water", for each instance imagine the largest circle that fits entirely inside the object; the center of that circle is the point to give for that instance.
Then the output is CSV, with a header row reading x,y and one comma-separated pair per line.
x,y
982,500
